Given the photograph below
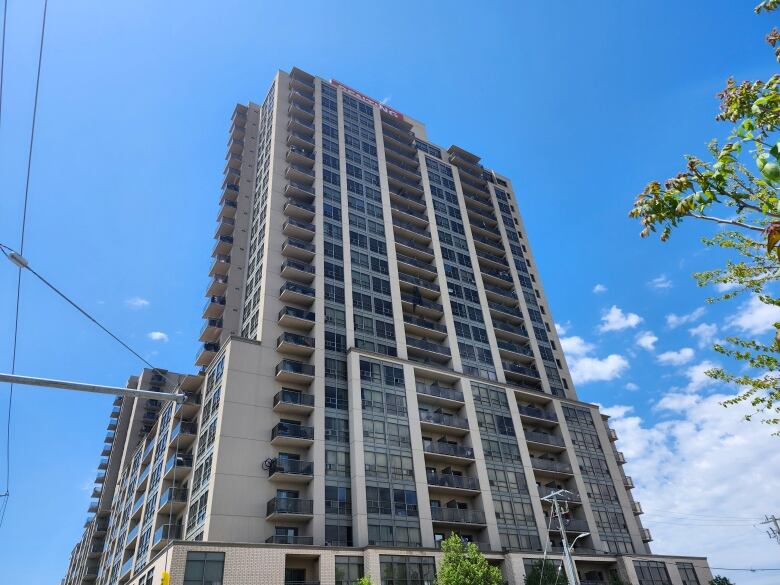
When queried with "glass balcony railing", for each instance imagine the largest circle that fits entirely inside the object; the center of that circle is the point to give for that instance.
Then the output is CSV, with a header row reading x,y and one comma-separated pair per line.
x,y
297,313
454,481
442,448
544,438
294,367
439,391
440,418
292,431
296,397
289,506
289,539
457,515
536,412
550,465
292,467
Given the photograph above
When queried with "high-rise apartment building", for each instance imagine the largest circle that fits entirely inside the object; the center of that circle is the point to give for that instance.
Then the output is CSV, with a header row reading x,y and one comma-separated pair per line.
x,y
380,369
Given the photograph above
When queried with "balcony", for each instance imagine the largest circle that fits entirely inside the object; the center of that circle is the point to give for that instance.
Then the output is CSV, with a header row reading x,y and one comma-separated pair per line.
x,y
138,505
206,353
300,156
399,154
93,507
428,288
299,229
173,499
499,309
296,318
394,142
482,228
457,516
435,394
292,435
424,327
177,466
298,127
482,218
409,231
636,508
443,423
511,350
509,330
646,536
184,433
290,401
628,482
294,372
220,266
620,458
165,533
298,249
421,306
300,174
294,344
289,539
217,286
570,525
300,191
409,171
550,467
211,330
489,244
401,183
223,245
301,111
297,270
428,350
407,214
545,441
536,415
520,372
225,227
497,277
147,454
291,471
571,497
132,534
492,260
414,249
500,294
478,202
292,292
289,509
126,569
228,209
448,482
103,463
299,210
304,98
612,434
447,452
300,140
416,267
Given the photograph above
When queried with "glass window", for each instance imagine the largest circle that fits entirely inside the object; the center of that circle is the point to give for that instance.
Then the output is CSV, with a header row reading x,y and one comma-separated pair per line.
x,y
204,568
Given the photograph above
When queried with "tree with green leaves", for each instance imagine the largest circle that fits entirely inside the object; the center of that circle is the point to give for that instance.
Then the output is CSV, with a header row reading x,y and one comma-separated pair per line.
x,y
719,580
364,580
544,572
736,188
463,564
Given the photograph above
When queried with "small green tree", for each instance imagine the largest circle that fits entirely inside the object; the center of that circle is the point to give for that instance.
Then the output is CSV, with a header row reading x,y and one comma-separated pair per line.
x,y
463,564
720,580
737,186
364,580
546,573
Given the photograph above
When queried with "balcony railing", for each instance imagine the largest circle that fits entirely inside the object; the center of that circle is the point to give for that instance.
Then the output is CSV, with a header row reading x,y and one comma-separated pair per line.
x,y
413,244
515,347
415,262
167,532
439,391
292,431
454,481
293,397
297,313
571,525
295,339
184,428
173,495
297,288
412,320
440,418
569,495
421,282
292,467
456,515
510,328
537,412
428,346
496,273
422,302
442,448
178,460
501,308
295,367
289,539
549,465
289,506
520,369
544,438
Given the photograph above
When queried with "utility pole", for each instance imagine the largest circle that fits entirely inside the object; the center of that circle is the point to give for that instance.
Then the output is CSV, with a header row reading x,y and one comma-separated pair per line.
x,y
568,561
774,529
81,387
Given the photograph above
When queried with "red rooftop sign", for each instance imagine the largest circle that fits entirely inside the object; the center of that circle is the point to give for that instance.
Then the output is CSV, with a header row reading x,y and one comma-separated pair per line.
x,y
365,98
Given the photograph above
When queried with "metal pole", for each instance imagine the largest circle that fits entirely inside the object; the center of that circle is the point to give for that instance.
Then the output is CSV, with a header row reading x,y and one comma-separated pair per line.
x,y
568,561
65,385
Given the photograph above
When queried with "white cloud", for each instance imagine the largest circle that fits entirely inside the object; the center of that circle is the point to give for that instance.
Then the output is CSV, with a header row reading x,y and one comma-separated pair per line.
x,y
631,387
704,333
676,358
157,336
660,282
754,317
599,288
137,303
616,320
586,368
673,320
697,378
562,328
684,469
575,346
646,340
724,287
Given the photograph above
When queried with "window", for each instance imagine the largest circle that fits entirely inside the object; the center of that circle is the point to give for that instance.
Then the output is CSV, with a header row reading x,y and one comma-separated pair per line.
x,y
688,574
407,570
652,573
348,570
204,568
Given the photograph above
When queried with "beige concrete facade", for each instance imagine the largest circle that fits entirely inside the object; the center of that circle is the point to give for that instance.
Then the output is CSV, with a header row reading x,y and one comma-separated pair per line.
x,y
375,332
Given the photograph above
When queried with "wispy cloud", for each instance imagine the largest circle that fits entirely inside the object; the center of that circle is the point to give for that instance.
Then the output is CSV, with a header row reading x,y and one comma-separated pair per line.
x,y
599,288
673,320
704,333
157,336
631,387
137,303
646,340
660,282
616,320
587,368
676,358
754,317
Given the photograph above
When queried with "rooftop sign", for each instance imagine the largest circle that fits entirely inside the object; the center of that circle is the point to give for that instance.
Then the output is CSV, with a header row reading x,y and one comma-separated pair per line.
x,y
355,93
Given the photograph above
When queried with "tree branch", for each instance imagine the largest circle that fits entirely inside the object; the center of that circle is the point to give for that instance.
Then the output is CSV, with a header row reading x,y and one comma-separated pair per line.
x,y
727,222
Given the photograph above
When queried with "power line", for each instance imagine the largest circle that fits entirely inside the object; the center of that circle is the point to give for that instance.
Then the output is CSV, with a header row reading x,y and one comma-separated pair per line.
x,y
2,57
21,251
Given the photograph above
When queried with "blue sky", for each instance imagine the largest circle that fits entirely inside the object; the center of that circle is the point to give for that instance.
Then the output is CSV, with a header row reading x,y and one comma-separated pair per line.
x,y
580,103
